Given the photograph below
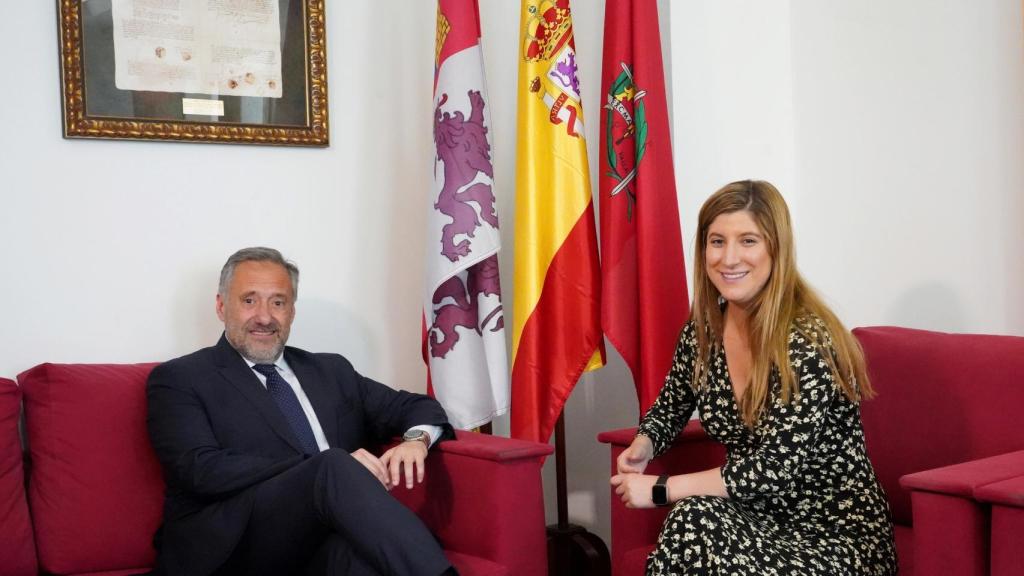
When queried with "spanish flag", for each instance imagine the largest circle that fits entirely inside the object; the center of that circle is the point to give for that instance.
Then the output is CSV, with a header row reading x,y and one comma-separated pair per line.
x,y
556,332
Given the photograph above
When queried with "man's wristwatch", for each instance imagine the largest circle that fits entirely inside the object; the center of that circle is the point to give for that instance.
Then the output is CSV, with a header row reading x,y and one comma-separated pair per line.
x,y
411,435
659,492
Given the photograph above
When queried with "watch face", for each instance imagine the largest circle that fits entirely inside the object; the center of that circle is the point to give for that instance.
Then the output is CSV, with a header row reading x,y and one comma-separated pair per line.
x,y
413,435
658,495
659,492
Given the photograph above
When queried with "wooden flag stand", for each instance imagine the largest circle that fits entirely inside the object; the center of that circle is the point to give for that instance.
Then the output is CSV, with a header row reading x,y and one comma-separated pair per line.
x,y
572,550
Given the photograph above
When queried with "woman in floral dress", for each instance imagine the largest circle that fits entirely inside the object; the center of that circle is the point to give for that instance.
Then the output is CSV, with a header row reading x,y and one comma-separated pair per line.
x,y
777,379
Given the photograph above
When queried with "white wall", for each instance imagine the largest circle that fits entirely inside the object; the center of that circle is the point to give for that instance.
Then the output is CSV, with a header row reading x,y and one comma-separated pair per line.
x,y
895,130
910,147
111,249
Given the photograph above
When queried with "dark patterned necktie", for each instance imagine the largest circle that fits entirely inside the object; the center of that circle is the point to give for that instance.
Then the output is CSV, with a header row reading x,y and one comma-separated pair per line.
x,y
286,400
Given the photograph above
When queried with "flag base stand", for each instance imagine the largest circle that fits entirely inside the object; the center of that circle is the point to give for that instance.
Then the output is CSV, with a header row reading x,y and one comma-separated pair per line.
x,y
572,550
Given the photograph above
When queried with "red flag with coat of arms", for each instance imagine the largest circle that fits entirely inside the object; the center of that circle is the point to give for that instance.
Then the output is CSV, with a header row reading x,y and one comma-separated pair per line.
x,y
464,327
644,296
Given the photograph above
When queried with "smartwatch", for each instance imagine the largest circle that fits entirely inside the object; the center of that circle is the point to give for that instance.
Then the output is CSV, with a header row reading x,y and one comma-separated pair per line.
x,y
659,492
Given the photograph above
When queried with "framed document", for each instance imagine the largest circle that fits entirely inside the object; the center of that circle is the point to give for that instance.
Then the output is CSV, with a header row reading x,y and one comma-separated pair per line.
x,y
241,71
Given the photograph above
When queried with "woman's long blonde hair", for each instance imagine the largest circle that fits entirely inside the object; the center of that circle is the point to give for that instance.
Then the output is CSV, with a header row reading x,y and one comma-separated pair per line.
x,y
785,298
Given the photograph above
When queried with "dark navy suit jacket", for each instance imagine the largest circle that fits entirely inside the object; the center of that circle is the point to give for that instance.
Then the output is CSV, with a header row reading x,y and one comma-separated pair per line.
x,y
218,433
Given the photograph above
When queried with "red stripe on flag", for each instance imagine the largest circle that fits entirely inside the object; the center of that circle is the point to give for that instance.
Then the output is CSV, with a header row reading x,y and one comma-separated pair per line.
x,y
543,378
463,26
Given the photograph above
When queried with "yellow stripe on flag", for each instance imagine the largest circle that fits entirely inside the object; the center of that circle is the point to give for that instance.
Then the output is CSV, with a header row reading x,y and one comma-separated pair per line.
x,y
552,173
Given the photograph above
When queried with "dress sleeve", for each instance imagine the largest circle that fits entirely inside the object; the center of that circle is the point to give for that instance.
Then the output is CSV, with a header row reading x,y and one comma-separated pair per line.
x,y
676,401
789,431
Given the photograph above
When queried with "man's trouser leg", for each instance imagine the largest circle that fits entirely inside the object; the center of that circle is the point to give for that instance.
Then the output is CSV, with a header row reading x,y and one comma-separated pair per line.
x,y
332,494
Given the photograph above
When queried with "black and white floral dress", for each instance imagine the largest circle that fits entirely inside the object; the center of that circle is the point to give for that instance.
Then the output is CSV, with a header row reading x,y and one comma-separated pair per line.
x,y
803,498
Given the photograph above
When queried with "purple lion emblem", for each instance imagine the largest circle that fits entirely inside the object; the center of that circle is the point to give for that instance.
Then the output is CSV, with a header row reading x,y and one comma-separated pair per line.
x,y
565,72
462,145
483,281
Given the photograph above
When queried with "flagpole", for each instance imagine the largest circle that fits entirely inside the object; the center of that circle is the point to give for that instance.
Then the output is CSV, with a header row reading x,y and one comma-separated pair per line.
x,y
560,473
572,550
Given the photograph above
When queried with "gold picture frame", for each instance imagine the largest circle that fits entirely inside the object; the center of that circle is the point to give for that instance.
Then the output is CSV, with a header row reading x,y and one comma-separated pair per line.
x,y
94,107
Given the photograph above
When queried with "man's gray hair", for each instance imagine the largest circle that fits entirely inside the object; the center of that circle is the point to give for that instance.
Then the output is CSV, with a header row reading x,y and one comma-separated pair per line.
x,y
257,254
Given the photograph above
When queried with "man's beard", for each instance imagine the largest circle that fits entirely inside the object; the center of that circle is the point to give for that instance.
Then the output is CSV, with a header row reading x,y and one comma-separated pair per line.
x,y
258,354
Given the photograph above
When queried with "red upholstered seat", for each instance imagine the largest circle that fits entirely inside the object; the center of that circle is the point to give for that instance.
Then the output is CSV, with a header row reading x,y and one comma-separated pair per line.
x,y
940,417
17,550
947,420
96,489
467,564
635,561
483,497
904,547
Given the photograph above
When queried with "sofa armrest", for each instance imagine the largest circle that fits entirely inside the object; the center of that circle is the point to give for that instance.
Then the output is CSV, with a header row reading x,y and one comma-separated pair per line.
x,y
637,530
1008,492
965,478
1006,557
493,448
951,527
692,432
482,496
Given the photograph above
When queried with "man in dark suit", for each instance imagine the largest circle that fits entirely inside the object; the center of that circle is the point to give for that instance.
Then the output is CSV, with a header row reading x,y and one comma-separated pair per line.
x,y
263,448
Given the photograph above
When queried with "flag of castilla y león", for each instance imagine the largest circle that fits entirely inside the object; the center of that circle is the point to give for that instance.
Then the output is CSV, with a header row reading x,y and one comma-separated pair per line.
x,y
464,327
644,296
556,331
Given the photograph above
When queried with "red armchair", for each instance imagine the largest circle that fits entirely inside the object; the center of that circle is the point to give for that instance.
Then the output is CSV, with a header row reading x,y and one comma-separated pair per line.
x,y
940,422
634,532
939,430
96,491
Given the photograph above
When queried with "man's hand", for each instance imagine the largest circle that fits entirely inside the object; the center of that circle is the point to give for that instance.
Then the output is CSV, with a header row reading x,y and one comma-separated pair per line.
x,y
634,459
375,465
635,489
405,457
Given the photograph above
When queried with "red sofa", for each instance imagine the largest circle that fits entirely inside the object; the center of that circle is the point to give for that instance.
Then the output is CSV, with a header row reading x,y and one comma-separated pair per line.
x,y
95,489
944,435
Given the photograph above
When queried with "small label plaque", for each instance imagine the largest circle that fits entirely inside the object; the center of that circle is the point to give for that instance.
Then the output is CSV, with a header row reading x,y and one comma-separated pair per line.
x,y
201,107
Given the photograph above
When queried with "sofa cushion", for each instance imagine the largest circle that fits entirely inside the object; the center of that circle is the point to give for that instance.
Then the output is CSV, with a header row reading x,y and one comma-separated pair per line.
x,y
96,489
942,399
17,551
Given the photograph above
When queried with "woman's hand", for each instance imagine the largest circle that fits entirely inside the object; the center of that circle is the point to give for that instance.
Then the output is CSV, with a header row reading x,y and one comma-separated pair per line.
x,y
634,459
635,489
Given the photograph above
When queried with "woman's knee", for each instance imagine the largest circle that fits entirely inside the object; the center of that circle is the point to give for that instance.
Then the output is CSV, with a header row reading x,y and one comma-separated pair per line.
x,y
697,509
695,515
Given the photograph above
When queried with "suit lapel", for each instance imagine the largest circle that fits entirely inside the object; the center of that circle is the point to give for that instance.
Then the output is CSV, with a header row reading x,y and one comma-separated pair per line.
x,y
234,369
315,387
